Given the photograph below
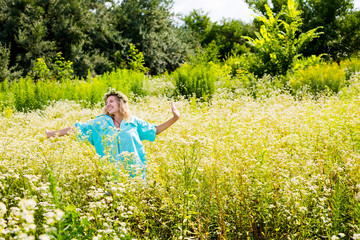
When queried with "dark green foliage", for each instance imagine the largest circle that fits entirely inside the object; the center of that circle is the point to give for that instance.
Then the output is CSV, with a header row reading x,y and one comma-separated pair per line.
x,y
329,15
199,23
221,39
227,36
4,62
349,37
88,34
147,24
41,29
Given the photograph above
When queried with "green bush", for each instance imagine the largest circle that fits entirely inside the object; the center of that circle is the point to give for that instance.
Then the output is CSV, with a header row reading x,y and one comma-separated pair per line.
x,y
237,65
305,62
351,66
134,59
198,80
319,78
59,70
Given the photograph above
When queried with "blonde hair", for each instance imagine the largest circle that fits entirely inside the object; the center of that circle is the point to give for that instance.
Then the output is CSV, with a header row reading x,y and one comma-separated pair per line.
x,y
123,101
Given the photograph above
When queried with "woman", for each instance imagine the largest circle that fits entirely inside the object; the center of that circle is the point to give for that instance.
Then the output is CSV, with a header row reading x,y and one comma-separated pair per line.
x,y
117,134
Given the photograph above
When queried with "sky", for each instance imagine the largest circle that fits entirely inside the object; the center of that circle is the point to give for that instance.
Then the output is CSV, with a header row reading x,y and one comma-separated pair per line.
x,y
220,9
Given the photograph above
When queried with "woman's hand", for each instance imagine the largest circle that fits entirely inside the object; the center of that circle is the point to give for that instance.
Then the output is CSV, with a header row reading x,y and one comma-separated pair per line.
x,y
61,132
175,111
161,127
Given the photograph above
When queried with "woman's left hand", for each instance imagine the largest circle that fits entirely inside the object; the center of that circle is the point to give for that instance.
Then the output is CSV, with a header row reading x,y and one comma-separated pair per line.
x,y
175,111
161,127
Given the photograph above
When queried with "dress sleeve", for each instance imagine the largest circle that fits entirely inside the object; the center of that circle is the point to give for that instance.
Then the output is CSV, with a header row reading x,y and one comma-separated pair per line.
x,y
146,131
84,131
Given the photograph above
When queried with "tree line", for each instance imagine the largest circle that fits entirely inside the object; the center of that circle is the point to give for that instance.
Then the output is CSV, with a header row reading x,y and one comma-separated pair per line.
x,y
98,36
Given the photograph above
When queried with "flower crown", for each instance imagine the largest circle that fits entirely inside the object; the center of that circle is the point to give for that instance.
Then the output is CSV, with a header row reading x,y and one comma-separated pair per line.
x,y
112,91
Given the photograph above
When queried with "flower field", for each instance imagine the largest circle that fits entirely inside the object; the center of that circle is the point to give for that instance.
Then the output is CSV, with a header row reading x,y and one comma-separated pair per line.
x,y
235,168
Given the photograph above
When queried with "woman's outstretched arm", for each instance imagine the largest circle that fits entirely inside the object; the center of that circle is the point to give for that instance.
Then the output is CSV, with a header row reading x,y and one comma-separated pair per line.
x,y
61,132
160,128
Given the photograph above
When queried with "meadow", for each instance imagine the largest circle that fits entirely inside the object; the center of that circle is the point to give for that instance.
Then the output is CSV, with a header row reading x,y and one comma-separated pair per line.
x,y
276,167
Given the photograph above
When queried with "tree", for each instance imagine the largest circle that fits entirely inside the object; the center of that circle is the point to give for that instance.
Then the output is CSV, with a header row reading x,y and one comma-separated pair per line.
x,y
4,62
328,14
22,28
259,5
219,39
89,33
148,25
279,41
199,23
228,37
349,39
80,30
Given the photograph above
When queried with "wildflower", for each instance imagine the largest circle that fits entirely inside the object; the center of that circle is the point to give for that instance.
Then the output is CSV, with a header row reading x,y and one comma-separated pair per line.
x,y
44,237
2,209
97,237
334,237
357,197
303,209
28,216
27,204
356,236
341,235
24,236
58,214
50,217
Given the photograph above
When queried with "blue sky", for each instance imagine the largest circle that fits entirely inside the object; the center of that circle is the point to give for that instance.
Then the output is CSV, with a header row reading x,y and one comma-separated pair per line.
x,y
219,9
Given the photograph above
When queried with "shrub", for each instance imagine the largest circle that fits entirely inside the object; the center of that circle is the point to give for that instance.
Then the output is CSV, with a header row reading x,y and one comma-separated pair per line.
x,y
199,80
319,78
59,70
305,62
351,66
194,80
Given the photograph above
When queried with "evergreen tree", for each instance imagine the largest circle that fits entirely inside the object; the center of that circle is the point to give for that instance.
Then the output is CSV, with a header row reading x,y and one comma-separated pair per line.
x,y
81,30
148,25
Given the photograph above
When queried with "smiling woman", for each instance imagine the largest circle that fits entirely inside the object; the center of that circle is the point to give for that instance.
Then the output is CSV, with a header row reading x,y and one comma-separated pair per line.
x,y
119,135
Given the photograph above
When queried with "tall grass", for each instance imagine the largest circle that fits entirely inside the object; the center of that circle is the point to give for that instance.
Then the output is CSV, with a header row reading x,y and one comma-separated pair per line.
x,y
25,94
319,78
238,168
200,81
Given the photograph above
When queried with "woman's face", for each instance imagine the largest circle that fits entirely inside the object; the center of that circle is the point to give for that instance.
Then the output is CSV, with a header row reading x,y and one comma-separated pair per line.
x,y
112,104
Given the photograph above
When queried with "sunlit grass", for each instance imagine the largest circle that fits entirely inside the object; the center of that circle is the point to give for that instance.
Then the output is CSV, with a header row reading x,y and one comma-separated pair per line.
x,y
237,168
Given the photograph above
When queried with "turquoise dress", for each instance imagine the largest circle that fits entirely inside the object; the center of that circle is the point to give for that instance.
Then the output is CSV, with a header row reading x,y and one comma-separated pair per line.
x,y
119,144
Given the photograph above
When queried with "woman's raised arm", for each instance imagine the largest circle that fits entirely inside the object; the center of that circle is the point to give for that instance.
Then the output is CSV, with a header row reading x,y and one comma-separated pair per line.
x,y
160,128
